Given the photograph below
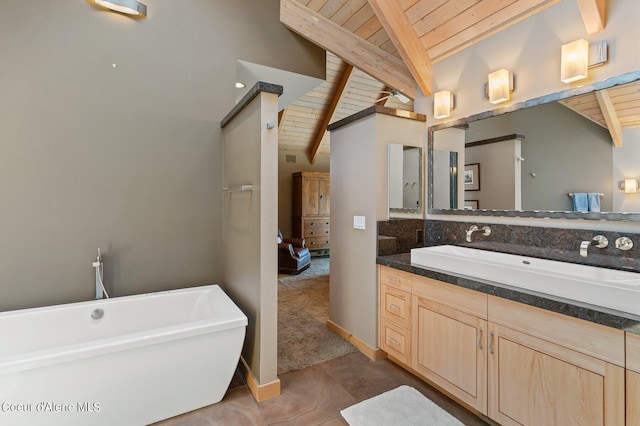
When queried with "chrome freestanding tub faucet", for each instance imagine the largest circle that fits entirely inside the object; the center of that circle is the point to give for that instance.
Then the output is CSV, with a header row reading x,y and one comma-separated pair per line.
x,y
486,231
100,290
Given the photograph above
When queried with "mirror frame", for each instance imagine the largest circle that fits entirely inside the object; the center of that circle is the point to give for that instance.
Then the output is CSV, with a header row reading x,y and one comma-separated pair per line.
x,y
541,214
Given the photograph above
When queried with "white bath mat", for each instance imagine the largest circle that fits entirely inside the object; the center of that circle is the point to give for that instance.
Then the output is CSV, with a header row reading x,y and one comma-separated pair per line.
x,y
401,406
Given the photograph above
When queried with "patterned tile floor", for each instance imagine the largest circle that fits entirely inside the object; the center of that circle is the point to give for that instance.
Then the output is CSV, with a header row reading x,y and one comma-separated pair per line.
x,y
315,396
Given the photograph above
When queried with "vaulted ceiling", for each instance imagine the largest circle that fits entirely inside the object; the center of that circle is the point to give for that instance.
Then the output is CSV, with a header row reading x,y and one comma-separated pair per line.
x,y
382,45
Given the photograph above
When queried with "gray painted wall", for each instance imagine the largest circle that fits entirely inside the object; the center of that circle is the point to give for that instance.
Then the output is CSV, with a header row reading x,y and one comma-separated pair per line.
x,y
567,153
249,229
126,158
359,187
500,186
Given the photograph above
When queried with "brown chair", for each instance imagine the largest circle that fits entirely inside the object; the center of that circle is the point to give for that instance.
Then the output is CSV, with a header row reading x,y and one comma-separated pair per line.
x,y
293,256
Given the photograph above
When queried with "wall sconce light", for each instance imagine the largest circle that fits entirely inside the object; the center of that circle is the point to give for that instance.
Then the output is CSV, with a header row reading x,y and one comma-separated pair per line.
x,y
629,186
574,61
500,86
578,56
443,103
128,7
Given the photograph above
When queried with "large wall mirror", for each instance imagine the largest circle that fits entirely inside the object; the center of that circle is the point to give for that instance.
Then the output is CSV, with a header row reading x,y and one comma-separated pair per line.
x,y
404,173
563,155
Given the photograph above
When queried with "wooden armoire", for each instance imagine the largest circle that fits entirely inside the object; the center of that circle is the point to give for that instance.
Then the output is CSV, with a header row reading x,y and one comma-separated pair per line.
x,y
311,202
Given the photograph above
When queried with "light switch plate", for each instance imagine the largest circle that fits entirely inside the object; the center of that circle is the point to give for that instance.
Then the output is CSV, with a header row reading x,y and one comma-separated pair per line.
x,y
358,222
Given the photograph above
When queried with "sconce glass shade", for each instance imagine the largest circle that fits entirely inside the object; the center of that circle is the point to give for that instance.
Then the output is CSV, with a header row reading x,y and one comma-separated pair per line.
x,y
629,186
499,86
574,61
442,104
128,7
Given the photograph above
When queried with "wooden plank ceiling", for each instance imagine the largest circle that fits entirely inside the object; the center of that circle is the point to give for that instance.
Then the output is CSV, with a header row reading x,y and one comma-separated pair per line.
x,y
366,34
614,109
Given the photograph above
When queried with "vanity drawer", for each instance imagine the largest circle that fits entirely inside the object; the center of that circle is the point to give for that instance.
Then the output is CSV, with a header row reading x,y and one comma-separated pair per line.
x,y
394,278
395,340
395,305
464,300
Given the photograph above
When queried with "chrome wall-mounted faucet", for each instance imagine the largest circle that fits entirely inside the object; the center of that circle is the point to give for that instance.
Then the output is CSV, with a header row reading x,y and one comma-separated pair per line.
x,y
486,231
599,241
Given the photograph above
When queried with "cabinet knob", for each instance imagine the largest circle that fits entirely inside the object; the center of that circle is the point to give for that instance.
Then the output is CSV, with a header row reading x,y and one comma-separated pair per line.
x,y
311,232
321,197
312,224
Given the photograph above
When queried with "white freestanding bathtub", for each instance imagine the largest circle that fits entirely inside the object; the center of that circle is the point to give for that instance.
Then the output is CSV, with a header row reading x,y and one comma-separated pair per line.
x,y
146,358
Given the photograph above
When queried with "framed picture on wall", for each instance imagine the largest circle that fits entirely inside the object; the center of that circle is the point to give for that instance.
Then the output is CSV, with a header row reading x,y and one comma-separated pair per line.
x,y
472,177
471,204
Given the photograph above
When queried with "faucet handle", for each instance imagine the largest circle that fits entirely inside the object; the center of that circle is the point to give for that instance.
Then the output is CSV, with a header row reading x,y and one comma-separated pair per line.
x,y
624,243
487,231
601,241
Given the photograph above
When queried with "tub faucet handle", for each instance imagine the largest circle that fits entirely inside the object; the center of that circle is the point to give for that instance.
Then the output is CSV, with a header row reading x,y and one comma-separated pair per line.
x,y
601,241
624,243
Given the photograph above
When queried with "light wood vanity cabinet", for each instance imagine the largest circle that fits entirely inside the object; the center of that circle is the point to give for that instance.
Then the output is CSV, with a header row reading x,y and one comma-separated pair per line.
x,y
547,368
449,343
633,379
395,313
518,364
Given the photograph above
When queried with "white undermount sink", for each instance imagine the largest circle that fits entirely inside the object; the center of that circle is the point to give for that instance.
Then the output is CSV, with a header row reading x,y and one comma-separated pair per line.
x,y
619,290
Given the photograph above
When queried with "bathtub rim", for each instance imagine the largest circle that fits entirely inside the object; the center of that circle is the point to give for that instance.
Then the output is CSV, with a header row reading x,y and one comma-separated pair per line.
x,y
57,355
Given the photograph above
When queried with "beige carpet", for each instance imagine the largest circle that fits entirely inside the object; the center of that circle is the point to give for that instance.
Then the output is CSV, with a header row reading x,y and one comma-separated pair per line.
x,y
303,311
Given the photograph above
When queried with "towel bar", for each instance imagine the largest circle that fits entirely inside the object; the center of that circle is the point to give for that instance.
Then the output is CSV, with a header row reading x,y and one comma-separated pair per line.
x,y
570,194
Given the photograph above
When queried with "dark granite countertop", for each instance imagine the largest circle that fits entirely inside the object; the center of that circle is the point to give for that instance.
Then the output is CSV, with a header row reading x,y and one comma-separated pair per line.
x,y
597,314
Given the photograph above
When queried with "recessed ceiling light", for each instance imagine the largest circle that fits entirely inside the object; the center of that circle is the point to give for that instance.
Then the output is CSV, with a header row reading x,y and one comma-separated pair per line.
x,y
240,85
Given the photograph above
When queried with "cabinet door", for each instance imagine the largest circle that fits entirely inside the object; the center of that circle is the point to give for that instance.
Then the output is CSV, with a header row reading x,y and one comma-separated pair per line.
x,y
310,196
633,379
450,350
535,382
324,196
633,398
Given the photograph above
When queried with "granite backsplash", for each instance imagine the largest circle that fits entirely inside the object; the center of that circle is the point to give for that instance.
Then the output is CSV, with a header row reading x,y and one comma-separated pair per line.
x,y
547,243
397,236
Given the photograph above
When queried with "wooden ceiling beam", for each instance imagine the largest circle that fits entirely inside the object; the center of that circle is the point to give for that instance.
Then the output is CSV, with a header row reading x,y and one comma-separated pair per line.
x,y
281,116
406,41
593,14
490,25
336,95
353,49
610,116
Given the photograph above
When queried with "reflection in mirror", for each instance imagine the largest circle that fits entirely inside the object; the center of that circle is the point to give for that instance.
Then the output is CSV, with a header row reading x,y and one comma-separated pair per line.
x,y
404,180
445,179
550,155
